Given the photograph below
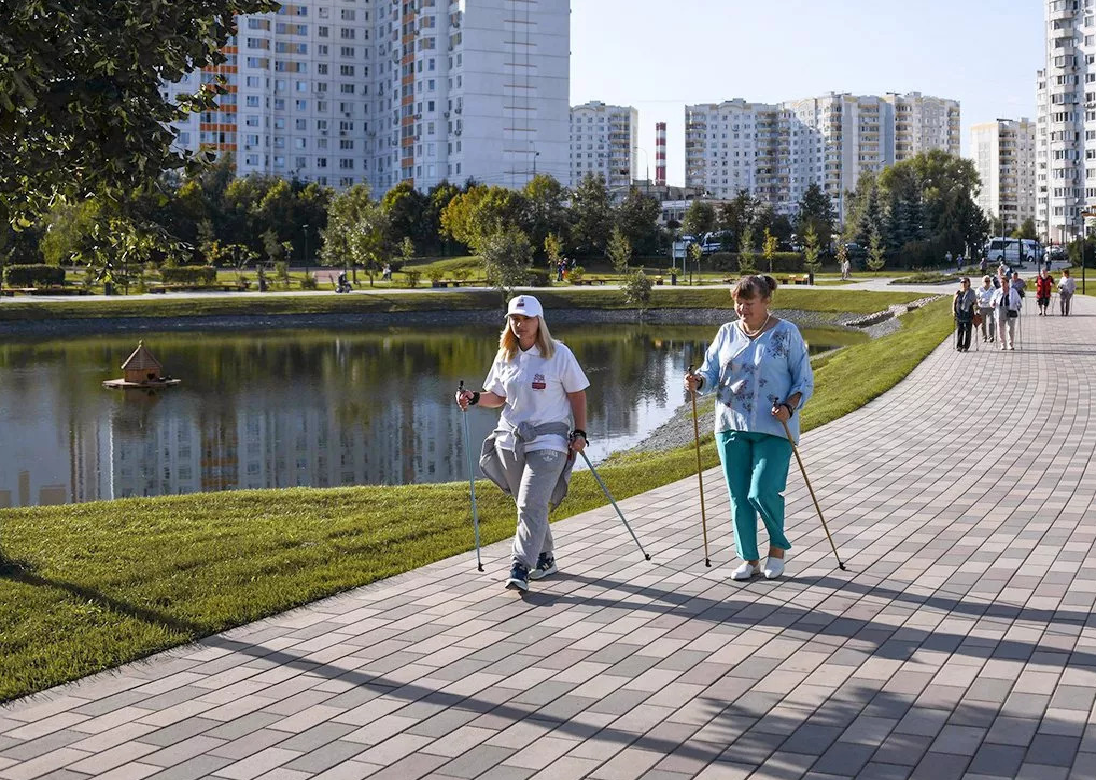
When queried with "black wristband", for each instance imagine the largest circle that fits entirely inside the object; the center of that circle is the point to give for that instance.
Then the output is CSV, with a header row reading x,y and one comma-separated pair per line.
x,y
580,432
475,398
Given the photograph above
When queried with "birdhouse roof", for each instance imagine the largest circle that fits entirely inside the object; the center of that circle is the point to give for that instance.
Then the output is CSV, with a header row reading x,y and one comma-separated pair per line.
x,y
141,359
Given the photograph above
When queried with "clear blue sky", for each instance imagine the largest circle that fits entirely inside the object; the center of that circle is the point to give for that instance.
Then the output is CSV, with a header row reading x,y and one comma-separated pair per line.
x,y
659,55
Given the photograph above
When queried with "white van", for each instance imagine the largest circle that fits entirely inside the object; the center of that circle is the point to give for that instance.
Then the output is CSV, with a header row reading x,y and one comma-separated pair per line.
x,y
1013,251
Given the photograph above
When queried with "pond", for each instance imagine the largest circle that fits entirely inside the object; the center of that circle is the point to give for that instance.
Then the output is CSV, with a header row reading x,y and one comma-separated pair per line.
x,y
283,408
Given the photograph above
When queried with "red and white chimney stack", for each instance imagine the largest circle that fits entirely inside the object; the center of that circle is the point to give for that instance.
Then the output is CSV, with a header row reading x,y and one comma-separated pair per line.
x,y
660,154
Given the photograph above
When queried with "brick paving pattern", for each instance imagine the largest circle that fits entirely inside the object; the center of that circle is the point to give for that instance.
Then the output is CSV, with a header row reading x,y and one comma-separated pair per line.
x,y
960,643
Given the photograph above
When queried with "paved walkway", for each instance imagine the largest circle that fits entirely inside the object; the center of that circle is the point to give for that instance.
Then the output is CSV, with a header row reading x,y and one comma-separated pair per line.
x,y
960,643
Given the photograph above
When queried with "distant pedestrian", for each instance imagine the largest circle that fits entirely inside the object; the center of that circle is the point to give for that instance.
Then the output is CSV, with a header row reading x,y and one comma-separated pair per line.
x,y
386,272
1066,287
1044,285
983,266
959,262
561,269
984,299
1006,305
1003,270
845,269
947,259
963,308
1019,285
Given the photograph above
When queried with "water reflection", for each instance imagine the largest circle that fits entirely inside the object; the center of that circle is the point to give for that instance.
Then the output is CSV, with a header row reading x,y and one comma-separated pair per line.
x,y
285,408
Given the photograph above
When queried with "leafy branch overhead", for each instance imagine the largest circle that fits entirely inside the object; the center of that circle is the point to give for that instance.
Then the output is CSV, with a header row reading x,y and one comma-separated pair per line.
x,y
81,111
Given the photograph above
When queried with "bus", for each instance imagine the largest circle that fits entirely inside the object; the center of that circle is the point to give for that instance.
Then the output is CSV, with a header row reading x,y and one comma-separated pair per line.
x,y
1013,251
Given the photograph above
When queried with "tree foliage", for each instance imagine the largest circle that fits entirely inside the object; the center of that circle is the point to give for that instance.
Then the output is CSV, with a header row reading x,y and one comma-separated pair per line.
x,y
593,216
81,108
507,256
700,218
356,232
620,251
815,212
811,250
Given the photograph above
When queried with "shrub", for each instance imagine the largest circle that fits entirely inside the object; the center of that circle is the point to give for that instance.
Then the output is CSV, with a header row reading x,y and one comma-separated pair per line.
x,y
413,278
34,275
462,274
538,277
575,274
638,289
309,282
189,274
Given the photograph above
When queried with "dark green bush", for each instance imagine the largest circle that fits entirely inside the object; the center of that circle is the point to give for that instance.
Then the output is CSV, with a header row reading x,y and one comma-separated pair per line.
x,y
34,275
189,274
538,277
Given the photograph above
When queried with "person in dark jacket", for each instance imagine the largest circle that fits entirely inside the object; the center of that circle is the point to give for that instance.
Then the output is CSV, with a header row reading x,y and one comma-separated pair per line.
x,y
1044,286
963,309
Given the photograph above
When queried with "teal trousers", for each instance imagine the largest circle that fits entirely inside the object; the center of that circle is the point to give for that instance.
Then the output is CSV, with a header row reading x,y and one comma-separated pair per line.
x,y
756,468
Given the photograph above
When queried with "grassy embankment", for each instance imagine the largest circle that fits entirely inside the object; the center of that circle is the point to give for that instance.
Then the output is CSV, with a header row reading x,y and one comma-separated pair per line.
x,y
90,586
830,301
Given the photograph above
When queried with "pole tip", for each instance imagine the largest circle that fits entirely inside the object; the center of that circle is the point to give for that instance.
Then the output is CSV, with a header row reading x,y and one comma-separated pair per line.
x,y
707,563
842,567
480,568
648,557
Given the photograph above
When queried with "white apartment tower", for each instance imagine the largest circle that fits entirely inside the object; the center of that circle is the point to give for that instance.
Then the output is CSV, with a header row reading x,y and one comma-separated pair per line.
x,y
776,151
1004,155
1066,129
604,141
384,91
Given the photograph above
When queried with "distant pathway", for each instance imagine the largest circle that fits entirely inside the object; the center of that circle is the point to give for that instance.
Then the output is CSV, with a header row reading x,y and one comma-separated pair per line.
x,y
960,643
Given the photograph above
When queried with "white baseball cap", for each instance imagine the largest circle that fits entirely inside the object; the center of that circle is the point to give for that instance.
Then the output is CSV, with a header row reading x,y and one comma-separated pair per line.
x,y
525,305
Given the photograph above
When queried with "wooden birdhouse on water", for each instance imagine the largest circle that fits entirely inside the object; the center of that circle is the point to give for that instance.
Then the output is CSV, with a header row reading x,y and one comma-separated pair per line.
x,y
141,369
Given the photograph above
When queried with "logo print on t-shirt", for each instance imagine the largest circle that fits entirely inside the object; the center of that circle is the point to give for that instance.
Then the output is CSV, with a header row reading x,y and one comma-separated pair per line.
x,y
538,382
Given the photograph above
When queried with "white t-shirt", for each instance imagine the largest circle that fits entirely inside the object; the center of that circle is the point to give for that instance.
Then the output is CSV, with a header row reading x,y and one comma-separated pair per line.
x,y
536,392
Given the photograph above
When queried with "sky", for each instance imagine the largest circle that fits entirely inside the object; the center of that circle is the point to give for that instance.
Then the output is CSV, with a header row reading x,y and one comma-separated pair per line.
x,y
659,55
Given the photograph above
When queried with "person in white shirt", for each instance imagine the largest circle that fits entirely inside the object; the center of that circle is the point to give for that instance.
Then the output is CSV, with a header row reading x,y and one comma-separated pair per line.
x,y
1066,287
542,391
984,299
1006,305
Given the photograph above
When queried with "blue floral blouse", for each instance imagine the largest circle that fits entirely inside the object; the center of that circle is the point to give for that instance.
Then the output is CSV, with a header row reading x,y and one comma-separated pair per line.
x,y
750,375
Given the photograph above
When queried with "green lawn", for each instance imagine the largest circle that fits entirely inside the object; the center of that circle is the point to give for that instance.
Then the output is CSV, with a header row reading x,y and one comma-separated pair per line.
x,y
91,586
859,302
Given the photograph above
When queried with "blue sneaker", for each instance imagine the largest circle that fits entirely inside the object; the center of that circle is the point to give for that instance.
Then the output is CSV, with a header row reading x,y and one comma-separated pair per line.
x,y
546,564
519,578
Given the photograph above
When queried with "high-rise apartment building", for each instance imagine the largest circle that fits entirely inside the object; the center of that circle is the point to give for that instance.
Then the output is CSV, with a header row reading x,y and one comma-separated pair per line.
x,y
1004,155
384,91
776,151
1066,124
604,142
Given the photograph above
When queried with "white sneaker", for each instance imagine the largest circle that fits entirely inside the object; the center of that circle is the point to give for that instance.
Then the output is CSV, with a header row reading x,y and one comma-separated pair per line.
x,y
745,572
774,567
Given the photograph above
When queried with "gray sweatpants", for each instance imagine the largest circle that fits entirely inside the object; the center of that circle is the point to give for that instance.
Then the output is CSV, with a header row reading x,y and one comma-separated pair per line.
x,y
531,487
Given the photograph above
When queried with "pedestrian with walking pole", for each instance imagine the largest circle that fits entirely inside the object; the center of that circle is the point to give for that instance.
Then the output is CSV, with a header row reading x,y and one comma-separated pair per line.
x,y
541,389
759,369
1066,287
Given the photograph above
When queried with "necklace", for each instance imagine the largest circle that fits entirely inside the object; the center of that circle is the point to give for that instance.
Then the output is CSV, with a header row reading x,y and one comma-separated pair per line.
x,y
754,334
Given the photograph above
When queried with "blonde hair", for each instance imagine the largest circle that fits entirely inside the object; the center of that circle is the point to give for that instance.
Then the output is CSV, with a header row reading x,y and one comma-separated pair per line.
x,y
509,346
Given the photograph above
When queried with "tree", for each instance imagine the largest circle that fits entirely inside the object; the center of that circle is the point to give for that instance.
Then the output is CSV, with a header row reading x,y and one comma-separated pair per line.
x,y
620,251
1026,230
815,212
637,218
699,218
738,215
871,216
439,196
356,231
876,252
768,248
481,212
81,107
545,211
811,250
404,208
553,250
592,216
637,290
746,260
507,255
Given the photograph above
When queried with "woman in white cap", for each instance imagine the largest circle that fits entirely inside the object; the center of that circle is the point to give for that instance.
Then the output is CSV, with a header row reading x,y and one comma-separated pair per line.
x,y
542,391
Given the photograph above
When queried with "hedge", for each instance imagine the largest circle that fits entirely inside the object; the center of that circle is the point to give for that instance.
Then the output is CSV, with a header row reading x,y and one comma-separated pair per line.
x,y
34,276
189,274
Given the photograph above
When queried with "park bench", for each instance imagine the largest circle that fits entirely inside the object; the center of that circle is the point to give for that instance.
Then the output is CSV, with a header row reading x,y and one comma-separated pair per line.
x,y
589,280
220,287
11,291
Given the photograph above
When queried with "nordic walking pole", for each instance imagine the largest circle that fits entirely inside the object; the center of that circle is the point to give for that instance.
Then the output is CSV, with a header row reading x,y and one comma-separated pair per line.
x,y
700,477
612,501
825,528
471,481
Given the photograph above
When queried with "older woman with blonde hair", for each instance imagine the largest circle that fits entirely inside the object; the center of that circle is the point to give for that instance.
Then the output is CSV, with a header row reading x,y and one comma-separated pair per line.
x,y
542,391
760,371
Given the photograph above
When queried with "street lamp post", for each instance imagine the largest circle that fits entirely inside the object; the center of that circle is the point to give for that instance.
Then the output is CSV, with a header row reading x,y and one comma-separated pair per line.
x,y
646,167
306,263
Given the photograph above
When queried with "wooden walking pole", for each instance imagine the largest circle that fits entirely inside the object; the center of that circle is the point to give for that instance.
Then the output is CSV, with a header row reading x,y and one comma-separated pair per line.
x,y
825,528
700,475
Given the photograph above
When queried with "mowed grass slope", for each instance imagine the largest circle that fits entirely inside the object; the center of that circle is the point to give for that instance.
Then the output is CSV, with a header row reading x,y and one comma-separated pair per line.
x,y
238,304
87,587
